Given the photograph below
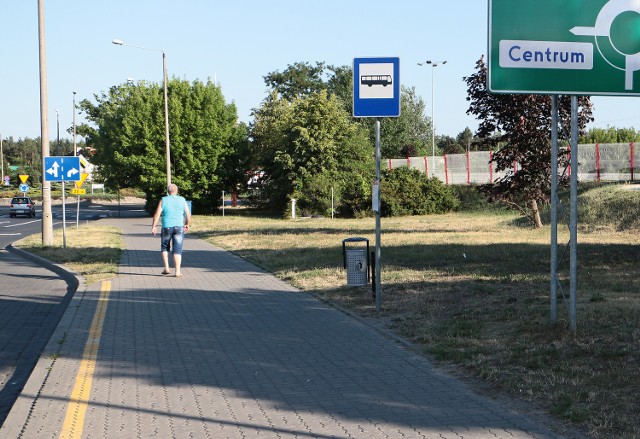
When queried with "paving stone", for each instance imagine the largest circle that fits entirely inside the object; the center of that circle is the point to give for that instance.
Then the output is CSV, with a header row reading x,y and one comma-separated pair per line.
x,y
231,351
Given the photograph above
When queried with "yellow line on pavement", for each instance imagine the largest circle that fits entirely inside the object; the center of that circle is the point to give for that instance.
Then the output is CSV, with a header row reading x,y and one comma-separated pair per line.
x,y
77,408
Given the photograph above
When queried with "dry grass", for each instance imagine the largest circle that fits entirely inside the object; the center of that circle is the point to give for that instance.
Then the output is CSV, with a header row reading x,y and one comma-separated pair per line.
x,y
471,290
91,251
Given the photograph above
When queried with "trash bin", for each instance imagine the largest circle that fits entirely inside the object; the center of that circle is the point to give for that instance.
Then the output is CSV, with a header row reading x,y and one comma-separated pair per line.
x,y
356,261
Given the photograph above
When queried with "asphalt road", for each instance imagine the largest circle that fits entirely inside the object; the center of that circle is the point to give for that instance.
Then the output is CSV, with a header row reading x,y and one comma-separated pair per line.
x,y
33,296
12,229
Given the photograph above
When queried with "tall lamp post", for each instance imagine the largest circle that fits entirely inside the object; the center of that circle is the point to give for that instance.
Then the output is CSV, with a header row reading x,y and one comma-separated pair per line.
x,y
166,101
1,160
58,131
433,123
75,143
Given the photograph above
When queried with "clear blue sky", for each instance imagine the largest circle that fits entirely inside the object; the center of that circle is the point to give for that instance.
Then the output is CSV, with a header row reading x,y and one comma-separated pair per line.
x,y
237,43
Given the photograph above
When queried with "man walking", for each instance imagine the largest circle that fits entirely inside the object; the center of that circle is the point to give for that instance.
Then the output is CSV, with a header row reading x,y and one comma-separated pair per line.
x,y
172,210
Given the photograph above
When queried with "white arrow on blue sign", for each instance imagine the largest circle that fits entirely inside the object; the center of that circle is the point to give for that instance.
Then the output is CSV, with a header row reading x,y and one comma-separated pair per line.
x,y
24,187
62,168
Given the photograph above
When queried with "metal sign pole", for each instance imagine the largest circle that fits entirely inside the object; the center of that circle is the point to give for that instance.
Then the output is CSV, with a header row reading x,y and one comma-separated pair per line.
x,y
554,210
573,224
378,246
64,219
372,97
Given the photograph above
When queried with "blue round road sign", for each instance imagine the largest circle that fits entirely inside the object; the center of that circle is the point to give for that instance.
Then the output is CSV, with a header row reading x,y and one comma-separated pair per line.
x,y
24,187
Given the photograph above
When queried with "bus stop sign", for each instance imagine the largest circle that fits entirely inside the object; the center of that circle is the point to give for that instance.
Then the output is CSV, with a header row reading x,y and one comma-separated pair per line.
x,y
376,87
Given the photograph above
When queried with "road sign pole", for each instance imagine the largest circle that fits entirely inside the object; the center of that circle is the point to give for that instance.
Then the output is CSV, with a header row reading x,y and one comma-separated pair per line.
x,y
376,93
64,219
554,211
78,212
378,246
573,229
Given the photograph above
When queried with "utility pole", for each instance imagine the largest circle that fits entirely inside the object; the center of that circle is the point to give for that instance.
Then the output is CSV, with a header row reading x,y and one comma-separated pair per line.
x,y
47,218
1,160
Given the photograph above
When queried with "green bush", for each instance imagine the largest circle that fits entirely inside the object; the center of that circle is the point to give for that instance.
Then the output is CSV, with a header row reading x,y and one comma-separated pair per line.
x,y
405,191
355,197
610,205
351,196
473,200
315,196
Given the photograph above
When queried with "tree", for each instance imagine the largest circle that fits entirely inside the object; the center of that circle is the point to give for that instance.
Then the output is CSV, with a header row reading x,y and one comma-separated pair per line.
x,y
129,138
23,156
466,139
449,145
522,123
297,80
298,141
610,135
412,127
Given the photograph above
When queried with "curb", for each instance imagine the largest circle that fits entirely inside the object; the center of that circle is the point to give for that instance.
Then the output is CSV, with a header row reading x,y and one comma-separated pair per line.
x,y
73,280
20,413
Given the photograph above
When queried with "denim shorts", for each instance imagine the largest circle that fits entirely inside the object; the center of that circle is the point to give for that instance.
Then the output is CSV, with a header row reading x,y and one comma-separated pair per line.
x,y
171,238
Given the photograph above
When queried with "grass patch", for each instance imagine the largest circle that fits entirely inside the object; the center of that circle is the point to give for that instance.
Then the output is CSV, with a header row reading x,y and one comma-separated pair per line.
x,y
91,251
472,290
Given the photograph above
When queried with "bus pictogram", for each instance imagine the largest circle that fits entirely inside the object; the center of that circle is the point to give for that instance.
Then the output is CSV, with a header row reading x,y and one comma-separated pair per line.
x,y
371,80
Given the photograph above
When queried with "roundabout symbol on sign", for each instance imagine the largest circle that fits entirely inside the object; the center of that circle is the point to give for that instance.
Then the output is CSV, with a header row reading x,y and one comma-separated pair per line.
x,y
601,31
24,187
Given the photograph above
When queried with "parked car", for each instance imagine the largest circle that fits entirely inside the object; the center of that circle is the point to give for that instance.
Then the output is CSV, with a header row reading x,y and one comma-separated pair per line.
x,y
22,206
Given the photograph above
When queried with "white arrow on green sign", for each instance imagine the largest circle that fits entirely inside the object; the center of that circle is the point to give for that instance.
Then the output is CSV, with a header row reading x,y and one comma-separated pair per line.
x,y
586,47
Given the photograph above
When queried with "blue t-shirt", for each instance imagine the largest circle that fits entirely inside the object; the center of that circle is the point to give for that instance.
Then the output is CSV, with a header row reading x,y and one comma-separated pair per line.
x,y
173,207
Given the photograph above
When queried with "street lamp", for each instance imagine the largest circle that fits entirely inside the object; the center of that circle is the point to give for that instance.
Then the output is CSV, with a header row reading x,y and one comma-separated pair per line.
x,y
75,143
433,123
166,101
58,131
1,160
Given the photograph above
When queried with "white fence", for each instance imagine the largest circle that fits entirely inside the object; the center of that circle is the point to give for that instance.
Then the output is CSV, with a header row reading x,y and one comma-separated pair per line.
x,y
596,162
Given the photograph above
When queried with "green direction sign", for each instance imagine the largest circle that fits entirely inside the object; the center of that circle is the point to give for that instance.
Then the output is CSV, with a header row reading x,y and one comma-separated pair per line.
x,y
585,47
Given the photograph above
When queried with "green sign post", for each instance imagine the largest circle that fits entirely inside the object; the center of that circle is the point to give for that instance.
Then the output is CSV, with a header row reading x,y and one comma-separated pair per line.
x,y
581,47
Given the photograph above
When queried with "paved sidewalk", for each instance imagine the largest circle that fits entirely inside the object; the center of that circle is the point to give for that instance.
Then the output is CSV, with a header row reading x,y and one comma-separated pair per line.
x,y
229,351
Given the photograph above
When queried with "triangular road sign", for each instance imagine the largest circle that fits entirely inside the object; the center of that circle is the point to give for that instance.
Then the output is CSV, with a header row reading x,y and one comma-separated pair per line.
x,y
83,177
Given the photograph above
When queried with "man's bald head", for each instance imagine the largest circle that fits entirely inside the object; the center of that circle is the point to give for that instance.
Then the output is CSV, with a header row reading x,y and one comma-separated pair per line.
x,y
173,189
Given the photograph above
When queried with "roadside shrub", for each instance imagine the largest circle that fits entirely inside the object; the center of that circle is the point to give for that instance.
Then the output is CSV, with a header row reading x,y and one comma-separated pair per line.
x,y
405,191
351,193
315,196
472,199
610,205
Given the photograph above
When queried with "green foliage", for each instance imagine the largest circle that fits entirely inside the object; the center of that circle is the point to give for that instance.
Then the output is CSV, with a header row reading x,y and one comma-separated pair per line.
x,y
129,137
473,200
610,135
522,125
305,143
297,80
355,196
405,191
412,127
610,205
315,198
